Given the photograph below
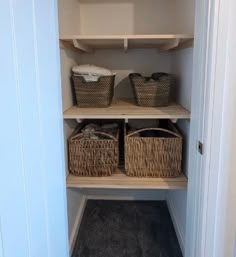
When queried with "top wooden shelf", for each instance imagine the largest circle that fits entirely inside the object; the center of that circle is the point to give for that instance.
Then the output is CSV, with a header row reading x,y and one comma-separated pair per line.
x,y
163,42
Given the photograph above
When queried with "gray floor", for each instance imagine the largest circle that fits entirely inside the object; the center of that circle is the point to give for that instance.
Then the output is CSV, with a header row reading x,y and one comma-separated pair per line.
x,y
126,229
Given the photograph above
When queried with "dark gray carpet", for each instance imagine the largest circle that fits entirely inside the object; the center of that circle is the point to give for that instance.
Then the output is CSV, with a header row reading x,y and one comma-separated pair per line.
x,y
126,229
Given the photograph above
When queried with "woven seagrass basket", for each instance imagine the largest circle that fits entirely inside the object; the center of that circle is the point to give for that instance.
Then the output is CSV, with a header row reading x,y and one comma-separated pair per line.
x,y
152,91
159,155
94,94
93,157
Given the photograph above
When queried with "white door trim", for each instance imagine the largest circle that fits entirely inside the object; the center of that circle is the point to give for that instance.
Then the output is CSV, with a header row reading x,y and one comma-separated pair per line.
x,y
207,188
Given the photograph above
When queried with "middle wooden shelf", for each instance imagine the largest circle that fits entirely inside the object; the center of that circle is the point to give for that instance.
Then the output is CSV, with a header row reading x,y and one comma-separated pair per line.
x,y
126,109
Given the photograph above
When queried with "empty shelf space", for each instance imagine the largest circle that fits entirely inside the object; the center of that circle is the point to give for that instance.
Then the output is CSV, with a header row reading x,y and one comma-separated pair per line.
x,y
126,109
163,42
120,181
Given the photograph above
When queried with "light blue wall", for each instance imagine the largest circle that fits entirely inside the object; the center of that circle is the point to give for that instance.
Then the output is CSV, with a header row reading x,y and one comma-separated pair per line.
x,y
1,246
32,186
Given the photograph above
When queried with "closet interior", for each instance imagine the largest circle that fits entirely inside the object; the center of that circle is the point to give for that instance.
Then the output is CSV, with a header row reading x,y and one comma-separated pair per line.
x,y
128,36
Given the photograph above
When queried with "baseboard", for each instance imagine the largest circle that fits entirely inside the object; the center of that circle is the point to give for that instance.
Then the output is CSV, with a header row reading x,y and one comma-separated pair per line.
x,y
178,228
78,220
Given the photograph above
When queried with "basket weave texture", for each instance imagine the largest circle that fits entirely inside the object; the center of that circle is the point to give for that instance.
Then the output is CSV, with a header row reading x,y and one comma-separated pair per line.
x,y
153,91
94,94
93,157
153,156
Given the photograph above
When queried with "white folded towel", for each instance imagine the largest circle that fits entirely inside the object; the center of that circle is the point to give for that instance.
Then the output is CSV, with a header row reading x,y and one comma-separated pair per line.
x,y
91,72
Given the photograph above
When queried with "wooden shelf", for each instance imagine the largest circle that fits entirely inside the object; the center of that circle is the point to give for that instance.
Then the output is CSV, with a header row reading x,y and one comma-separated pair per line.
x,y
120,181
126,109
163,42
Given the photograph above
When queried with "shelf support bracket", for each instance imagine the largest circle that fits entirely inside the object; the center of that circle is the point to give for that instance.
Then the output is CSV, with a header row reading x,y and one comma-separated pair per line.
x,y
79,45
126,45
173,43
186,44
67,45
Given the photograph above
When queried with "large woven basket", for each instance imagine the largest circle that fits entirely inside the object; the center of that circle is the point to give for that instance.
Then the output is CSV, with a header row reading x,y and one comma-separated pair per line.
x,y
153,91
94,94
154,156
93,157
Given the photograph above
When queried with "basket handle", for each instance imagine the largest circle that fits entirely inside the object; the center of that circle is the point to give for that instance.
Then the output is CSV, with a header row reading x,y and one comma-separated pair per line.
x,y
156,129
93,132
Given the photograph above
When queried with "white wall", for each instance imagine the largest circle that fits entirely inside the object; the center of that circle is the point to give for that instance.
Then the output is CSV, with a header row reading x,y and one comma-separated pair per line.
x,y
182,69
68,24
182,64
75,196
68,11
177,204
68,60
138,17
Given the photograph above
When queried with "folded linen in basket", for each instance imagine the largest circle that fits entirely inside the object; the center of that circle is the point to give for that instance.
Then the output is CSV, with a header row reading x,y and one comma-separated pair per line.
x,y
110,128
91,72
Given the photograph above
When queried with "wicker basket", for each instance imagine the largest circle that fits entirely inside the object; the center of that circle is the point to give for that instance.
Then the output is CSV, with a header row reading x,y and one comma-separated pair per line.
x,y
153,91
94,94
153,156
93,157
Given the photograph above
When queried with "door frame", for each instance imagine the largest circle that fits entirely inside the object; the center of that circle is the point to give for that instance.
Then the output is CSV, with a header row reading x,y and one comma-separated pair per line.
x,y
211,105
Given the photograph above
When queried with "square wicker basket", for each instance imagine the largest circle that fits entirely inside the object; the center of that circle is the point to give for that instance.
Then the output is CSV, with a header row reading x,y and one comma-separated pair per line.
x,y
151,91
94,94
93,157
154,156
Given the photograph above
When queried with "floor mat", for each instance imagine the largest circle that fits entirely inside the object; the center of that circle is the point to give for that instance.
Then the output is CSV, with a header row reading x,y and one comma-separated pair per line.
x,y
126,229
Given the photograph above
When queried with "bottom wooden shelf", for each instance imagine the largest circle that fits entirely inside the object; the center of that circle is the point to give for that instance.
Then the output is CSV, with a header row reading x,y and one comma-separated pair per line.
x,y
120,181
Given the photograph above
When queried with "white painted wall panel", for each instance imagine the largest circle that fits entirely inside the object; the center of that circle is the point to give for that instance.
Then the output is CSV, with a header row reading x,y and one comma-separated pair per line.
x,y
185,10
182,64
105,18
177,202
68,11
33,213
182,69
136,17
73,203
68,59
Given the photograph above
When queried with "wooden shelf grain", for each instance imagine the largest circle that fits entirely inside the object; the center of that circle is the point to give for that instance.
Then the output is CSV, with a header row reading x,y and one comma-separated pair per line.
x,y
126,109
120,181
163,42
